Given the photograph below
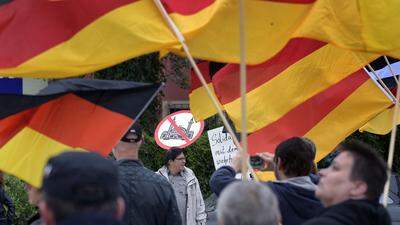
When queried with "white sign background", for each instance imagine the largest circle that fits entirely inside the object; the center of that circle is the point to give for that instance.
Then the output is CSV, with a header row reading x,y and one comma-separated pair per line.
x,y
222,147
166,134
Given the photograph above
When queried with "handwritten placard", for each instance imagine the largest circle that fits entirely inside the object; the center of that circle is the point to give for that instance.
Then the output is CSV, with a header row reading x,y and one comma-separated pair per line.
x,y
222,147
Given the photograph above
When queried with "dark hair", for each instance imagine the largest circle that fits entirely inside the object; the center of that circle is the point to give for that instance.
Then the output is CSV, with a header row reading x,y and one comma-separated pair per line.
x,y
368,166
63,209
296,156
171,155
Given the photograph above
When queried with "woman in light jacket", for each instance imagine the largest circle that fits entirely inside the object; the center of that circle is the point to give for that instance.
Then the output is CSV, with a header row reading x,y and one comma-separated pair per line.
x,y
186,187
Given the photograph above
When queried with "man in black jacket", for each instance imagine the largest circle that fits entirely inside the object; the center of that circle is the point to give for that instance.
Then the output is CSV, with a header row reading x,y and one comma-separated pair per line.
x,y
150,199
350,188
293,161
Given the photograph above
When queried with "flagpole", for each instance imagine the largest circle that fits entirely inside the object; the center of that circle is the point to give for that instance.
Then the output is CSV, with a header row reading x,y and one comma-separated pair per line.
x,y
243,89
391,69
198,73
381,82
392,143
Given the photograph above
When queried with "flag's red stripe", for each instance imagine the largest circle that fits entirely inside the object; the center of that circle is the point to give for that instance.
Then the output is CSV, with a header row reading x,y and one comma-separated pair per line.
x,y
204,68
186,7
11,125
30,27
304,117
226,81
76,122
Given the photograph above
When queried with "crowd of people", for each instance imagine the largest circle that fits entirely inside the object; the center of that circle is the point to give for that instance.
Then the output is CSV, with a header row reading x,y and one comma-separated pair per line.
x,y
87,189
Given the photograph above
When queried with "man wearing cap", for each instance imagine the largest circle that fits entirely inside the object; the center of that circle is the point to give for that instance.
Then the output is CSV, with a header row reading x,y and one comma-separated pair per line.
x,y
81,188
150,199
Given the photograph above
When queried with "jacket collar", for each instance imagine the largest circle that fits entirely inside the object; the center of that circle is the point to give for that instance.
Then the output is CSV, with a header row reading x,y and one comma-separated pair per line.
x,y
133,162
303,182
89,218
187,173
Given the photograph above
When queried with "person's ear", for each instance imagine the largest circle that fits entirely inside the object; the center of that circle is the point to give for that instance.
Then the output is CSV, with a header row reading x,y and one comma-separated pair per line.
x,y
120,208
359,189
279,164
46,214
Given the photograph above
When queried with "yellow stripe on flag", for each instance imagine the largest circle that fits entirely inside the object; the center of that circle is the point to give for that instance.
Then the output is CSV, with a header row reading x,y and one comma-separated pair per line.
x,y
269,26
361,106
381,124
26,154
201,105
309,76
360,25
121,34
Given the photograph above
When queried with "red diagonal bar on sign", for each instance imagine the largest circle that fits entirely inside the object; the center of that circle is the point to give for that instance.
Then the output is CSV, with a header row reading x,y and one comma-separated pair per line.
x,y
178,129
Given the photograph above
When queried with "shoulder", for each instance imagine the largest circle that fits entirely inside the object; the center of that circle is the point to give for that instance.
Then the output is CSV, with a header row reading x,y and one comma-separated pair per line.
x,y
321,220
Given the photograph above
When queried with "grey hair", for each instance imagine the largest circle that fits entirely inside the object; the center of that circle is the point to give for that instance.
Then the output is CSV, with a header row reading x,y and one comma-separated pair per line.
x,y
248,203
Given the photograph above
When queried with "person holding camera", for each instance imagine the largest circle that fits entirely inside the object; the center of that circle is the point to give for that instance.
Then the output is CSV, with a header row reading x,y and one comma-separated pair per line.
x,y
294,189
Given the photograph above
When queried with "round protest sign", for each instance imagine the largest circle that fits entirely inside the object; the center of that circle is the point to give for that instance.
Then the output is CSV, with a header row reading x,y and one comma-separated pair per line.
x,y
178,130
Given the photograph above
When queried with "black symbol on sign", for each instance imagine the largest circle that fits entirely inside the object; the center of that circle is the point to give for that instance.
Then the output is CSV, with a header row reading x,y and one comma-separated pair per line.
x,y
173,134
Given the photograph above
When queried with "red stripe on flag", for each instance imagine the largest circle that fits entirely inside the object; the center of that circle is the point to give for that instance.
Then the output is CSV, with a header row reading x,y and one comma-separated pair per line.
x,y
187,7
304,117
204,68
76,122
11,125
30,27
226,81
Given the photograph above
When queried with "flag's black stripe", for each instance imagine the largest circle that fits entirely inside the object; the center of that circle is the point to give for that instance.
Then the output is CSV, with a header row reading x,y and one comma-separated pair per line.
x,y
390,82
380,63
4,2
215,67
77,85
127,98
129,102
11,104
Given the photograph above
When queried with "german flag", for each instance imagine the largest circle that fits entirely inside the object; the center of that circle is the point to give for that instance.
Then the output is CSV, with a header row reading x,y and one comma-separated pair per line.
x,y
310,88
70,114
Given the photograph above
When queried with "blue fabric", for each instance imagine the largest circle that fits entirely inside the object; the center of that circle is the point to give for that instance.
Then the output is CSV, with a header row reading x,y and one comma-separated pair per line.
x,y
296,204
11,85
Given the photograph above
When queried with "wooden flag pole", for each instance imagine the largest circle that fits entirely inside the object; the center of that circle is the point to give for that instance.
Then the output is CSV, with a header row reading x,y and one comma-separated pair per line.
x,y
392,143
381,82
243,88
196,69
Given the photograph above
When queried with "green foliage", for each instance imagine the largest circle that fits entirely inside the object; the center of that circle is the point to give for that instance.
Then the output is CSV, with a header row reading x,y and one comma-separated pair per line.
x,y
23,210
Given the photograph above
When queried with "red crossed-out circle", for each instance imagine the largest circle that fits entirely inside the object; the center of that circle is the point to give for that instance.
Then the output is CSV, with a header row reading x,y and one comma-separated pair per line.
x,y
178,129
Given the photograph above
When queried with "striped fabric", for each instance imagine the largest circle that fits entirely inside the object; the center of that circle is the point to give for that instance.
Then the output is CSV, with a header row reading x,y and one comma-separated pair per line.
x,y
71,114
69,38
310,89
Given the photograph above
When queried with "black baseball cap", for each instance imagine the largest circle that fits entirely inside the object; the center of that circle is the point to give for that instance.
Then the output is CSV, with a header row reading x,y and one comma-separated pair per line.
x,y
134,133
82,178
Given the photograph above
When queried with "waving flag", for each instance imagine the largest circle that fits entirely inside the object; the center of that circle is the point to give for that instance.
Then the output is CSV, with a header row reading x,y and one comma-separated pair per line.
x,y
201,105
69,38
69,114
310,88
66,38
383,122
